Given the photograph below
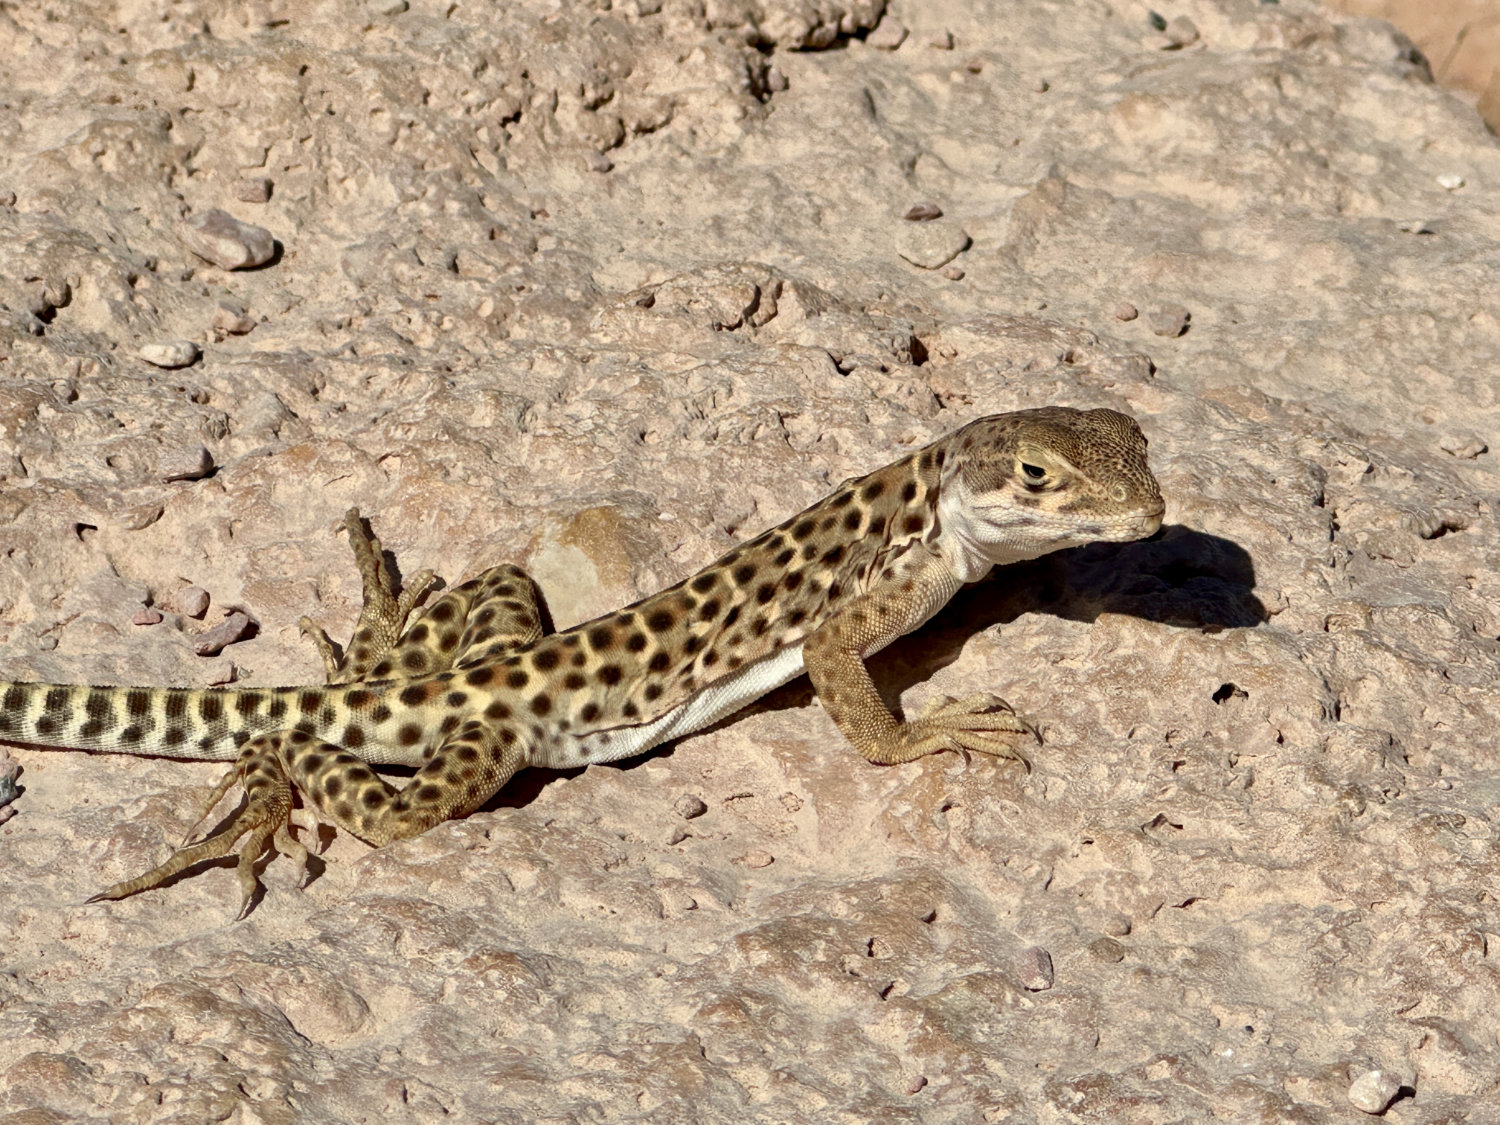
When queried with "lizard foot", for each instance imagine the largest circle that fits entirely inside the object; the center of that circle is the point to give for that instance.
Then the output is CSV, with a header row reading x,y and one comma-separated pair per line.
x,y
982,723
265,816
382,617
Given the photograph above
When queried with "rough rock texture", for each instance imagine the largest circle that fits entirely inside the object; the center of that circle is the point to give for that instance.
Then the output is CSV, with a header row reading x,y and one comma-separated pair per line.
x,y
604,289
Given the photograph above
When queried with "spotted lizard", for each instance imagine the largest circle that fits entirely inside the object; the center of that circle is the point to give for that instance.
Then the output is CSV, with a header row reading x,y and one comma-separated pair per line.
x,y
469,690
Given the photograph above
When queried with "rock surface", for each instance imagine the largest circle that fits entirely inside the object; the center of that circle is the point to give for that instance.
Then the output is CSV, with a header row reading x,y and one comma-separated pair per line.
x,y
1258,847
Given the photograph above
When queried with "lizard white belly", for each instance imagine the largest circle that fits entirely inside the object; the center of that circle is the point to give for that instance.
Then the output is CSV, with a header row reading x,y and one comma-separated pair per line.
x,y
719,699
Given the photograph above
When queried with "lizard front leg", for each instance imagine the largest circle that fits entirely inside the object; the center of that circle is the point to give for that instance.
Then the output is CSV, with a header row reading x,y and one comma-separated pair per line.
x,y
834,656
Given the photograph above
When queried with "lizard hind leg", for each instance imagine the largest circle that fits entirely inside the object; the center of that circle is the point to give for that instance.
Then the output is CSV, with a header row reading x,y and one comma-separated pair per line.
x,y
382,617
265,814
463,772
486,617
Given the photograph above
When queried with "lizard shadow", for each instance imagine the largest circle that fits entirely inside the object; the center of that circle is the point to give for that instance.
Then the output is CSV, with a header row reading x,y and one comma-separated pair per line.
x,y
1178,577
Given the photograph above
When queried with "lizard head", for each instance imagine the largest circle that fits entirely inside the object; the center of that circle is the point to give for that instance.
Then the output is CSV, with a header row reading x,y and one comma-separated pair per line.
x,y
1019,485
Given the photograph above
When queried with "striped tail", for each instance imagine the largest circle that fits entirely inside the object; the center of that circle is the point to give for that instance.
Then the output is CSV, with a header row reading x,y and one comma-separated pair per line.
x,y
206,724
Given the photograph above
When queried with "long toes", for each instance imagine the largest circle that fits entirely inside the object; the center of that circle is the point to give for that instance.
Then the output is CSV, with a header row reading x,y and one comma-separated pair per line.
x,y
289,846
214,847
982,743
259,818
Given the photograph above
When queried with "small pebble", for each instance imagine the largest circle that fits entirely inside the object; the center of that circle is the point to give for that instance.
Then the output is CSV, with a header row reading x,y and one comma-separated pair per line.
x,y
941,41
190,601
974,65
1033,968
9,768
387,7
1180,32
688,806
185,463
755,859
917,1084
889,35
1107,950
1126,311
170,353
1465,445
931,245
952,273
1374,1090
146,616
7,199
1169,320
1450,182
1040,86
597,162
776,81
226,632
231,320
221,672
923,212
677,835
1418,226
218,237
1116,925
252,189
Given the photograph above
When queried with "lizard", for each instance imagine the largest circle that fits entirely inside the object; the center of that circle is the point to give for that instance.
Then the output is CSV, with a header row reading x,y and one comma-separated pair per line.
x,y
468,690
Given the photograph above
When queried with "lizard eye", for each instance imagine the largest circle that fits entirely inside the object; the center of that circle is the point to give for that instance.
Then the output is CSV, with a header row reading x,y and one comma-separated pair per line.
x,y
1034,474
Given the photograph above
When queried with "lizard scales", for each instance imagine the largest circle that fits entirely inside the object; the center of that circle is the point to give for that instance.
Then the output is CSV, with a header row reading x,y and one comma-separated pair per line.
x,y
471,691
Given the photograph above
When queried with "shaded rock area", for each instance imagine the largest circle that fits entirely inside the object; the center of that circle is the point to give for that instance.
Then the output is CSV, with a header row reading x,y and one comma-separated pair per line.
x,y
604,288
